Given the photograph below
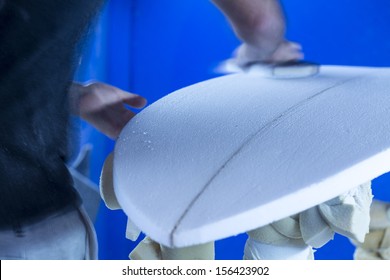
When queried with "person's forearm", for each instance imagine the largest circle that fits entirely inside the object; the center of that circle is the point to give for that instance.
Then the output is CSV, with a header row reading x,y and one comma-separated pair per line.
x,y
259,23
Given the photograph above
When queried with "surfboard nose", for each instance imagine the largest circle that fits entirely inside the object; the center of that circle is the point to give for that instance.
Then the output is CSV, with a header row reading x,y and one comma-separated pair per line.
x,y
237,152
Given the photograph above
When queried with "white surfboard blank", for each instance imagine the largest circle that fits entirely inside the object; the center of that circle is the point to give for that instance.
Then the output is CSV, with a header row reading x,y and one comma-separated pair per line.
x,y
231,154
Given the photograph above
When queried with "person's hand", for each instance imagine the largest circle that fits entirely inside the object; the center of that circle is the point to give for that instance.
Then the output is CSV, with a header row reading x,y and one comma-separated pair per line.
x,y
104,106
285,51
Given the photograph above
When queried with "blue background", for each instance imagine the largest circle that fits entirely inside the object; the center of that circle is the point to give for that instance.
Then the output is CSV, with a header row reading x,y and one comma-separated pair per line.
x,y
152,48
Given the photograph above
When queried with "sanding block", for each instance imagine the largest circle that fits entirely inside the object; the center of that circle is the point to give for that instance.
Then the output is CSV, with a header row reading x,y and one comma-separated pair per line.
x,y
280,70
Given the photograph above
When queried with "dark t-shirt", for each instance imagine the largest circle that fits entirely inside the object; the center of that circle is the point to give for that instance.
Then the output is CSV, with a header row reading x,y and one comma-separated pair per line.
x,y
37,60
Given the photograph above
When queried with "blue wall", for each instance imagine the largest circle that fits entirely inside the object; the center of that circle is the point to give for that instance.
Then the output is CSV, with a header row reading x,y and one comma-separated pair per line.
x,y
155,47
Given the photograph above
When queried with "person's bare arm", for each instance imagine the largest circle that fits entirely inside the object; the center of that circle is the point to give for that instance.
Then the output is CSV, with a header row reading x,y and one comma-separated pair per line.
x,y
260,24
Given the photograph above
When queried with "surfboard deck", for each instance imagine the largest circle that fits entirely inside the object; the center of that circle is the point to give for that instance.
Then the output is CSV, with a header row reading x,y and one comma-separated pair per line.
x,y
237,152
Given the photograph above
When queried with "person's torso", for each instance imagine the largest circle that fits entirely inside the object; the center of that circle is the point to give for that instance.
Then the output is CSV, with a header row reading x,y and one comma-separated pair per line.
x,y
37,54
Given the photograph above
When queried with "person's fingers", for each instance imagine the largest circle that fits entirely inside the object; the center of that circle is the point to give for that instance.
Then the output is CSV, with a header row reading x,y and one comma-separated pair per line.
x,y
133,100
294,45
126,116
286,52
108,93
117,121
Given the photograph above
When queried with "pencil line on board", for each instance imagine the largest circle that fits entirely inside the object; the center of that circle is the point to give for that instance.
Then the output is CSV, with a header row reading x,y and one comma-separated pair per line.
x,y
247,141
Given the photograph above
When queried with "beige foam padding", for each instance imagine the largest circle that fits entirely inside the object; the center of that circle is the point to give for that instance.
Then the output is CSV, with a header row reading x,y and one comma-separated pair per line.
x,y
238,152
380,214
197,252
289,227
385,245
293,237
294,249
147,249
107,185
315,231
376,244
349,213
132,231
373,240
361,254
281,240
268,235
